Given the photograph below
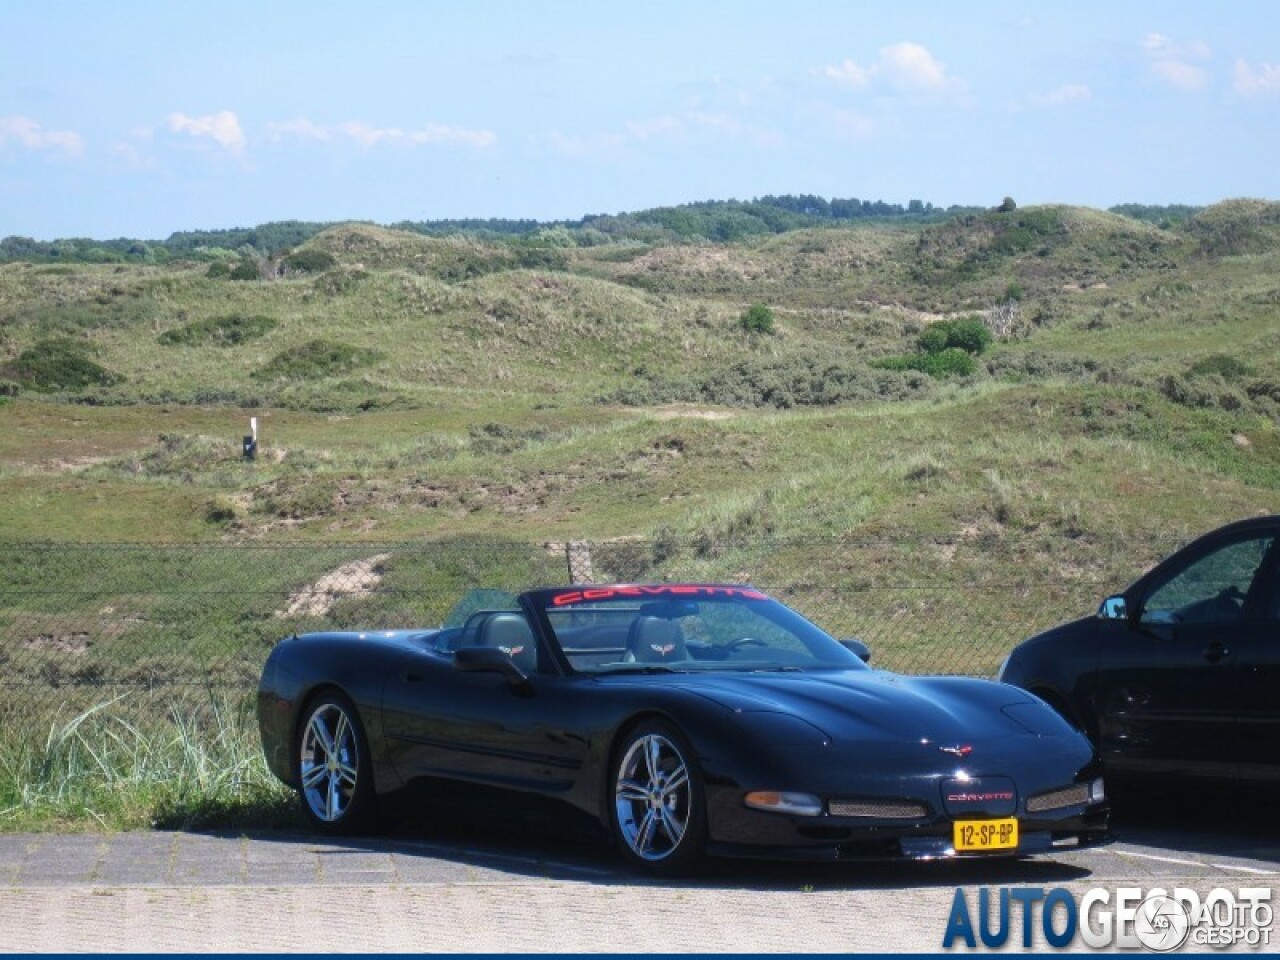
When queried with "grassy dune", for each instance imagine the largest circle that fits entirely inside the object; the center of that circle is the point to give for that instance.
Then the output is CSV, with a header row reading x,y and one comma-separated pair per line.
x,y
442,409
422,387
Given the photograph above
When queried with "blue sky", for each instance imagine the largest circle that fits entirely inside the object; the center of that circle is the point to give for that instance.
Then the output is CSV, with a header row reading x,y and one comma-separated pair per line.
x,y
142,118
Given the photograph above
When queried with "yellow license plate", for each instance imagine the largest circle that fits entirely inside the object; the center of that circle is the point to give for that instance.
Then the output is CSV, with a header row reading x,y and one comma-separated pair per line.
x,y
980,835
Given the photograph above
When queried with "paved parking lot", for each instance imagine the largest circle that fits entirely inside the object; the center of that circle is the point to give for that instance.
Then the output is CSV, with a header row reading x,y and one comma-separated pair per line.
x,y
474,889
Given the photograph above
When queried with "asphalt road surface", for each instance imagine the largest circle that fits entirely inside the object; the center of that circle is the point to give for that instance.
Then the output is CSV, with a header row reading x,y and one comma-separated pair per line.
x,y
539,886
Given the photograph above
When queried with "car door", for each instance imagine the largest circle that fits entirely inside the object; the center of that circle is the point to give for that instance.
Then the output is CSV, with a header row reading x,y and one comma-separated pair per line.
x,y
1258,739
1168,688
481,727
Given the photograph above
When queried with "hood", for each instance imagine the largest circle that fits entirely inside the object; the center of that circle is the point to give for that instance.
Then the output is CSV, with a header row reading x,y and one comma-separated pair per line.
x,y
874,705
1084,626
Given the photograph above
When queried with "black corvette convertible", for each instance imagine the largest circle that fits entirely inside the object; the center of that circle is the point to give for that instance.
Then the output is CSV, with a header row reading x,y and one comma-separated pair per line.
x,y
689,719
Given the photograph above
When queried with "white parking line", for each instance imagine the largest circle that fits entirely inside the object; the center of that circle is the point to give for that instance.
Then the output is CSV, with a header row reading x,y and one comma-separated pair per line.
x,y
1151,856
1196,863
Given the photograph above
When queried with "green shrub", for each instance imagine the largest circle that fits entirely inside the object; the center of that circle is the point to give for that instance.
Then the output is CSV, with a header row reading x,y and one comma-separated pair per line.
x,y
489,438
1023,367
542,258
221,510
1221,365
218,270
60,316
228,331
806,380
1207,392
757,319
969,334
310,261
337,282
298,497
316,358
60,364
246,269
951,362
934,338
8,390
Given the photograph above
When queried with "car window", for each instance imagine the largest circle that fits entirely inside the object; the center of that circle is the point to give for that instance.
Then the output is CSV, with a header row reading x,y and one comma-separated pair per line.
x,y
1212,589
476,601
1273,615
682,628
730,627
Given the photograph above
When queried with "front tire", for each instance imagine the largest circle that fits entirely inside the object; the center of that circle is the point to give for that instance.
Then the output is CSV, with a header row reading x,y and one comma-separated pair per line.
x,y
334,773
657,809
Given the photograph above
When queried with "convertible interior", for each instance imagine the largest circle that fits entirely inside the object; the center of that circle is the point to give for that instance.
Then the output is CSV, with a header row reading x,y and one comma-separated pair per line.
x,y
597,639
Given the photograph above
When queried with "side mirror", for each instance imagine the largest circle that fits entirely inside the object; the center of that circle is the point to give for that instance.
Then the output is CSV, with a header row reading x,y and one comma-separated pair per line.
x,y
858,649
489,660
1114,608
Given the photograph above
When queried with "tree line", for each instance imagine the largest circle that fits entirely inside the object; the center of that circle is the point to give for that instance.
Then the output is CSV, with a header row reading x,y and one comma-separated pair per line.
x,y
714,220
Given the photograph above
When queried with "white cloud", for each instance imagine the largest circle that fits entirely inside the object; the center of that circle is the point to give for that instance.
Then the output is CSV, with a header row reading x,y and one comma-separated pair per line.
x,y
581,147
1159,47
910,67
727,125
1262,80
223,128
664,126
849,74
1063,95
1179,75
1173,63
907,68
845,124
300,127
368,136
30,135
131,156
667,128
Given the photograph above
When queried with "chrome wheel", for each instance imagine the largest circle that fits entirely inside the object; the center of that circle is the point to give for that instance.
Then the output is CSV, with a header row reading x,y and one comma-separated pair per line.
x,y
329,765
653,797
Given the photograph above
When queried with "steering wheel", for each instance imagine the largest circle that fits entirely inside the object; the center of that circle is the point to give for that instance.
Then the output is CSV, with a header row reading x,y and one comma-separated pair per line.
x,y
744,642
1231,600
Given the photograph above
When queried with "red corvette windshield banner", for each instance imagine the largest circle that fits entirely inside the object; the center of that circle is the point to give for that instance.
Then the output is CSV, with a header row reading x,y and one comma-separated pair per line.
x,y
670,591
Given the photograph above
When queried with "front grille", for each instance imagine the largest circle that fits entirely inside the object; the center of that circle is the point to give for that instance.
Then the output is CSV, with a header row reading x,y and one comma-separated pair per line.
x,y
877,809
1071,796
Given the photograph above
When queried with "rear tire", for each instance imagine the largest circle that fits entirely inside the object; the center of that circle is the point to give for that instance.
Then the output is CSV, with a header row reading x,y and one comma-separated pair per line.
x,y
657,807
334,773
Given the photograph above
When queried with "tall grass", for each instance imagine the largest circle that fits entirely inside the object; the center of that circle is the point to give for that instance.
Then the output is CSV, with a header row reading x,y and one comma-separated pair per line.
x,y
134,759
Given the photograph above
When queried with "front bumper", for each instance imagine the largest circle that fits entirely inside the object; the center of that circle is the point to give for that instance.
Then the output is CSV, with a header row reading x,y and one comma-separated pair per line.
x,y
870,845
737,830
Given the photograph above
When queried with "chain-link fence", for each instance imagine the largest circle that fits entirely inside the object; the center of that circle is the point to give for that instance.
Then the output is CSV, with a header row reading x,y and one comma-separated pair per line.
x,y
87,617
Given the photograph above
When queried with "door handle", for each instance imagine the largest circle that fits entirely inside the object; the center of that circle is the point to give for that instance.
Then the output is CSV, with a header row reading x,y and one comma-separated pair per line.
x,y
411,677
1215,652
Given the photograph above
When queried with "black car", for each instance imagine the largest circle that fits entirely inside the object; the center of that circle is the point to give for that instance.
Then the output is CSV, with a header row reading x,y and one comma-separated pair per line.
x,y
1179,676
687,718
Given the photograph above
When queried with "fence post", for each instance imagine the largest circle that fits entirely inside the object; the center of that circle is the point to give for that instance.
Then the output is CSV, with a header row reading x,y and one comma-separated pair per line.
x,y
578,555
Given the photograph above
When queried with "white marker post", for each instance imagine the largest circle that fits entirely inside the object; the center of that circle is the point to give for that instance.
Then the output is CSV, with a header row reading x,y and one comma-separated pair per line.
x,y
251,441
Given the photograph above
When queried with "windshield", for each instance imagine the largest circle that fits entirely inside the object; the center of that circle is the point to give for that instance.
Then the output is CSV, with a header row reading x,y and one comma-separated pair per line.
x,y
686,628
477,601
